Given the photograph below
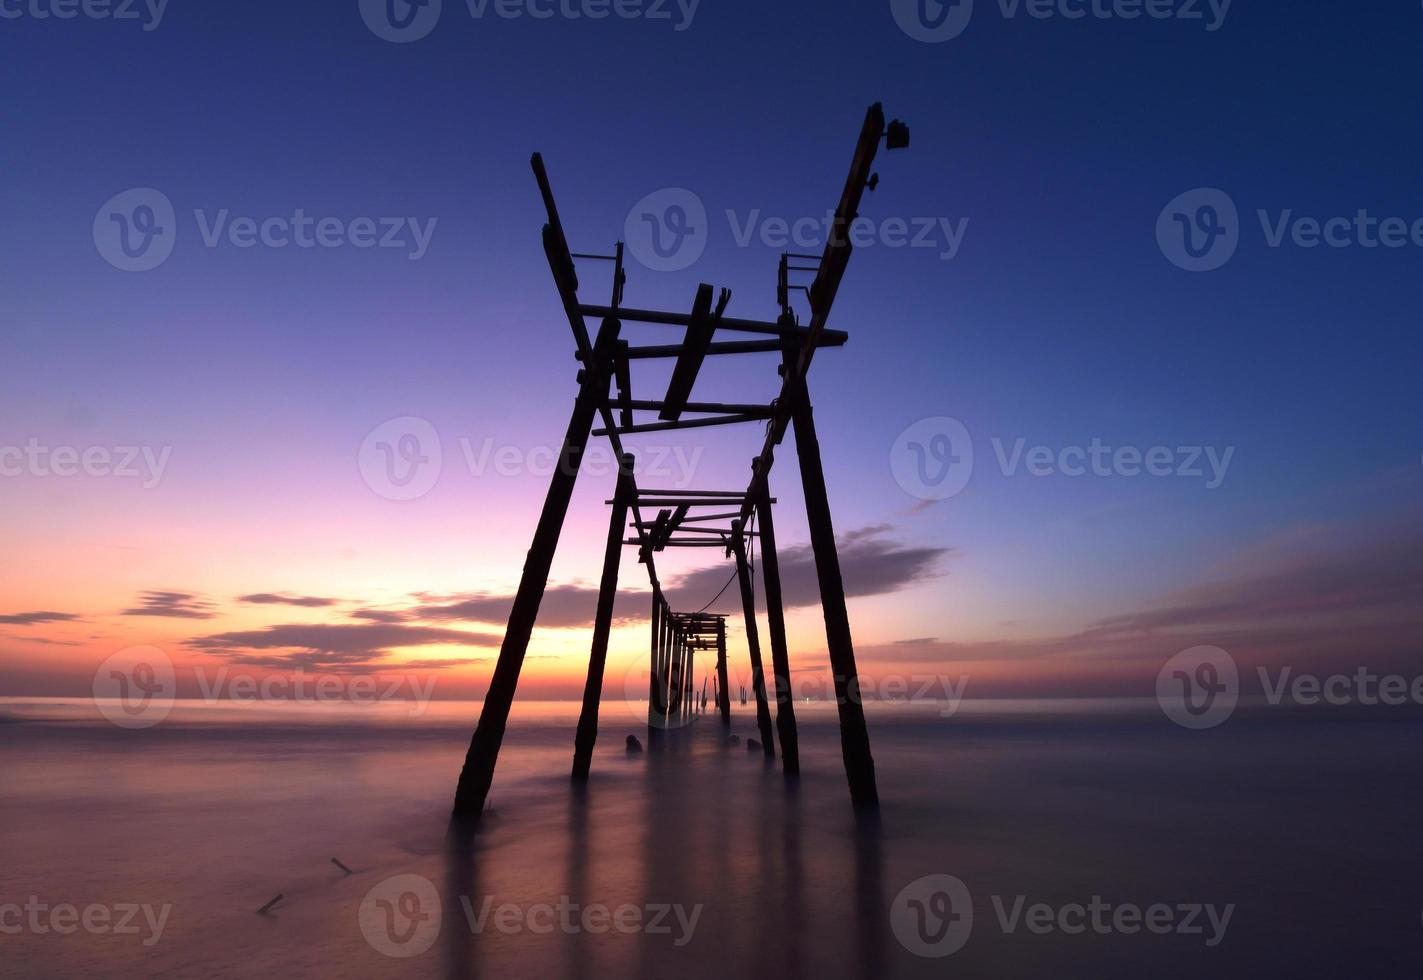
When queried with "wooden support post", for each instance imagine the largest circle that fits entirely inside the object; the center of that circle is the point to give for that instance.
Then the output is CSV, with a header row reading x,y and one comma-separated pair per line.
x,y
854,734
603,622
654,699
674,701
776,627
478,772
723,692
664,672
753,640
691,702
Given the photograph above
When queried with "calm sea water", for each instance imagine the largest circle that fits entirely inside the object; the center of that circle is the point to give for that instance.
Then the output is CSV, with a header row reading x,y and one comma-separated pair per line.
x,y
703,861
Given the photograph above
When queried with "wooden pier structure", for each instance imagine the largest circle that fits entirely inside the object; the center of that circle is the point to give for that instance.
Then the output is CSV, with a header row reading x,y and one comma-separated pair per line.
x,y
738,522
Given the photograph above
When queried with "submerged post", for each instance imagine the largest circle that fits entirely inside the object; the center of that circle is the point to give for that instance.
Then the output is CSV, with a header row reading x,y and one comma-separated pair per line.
x,y
776,627
603,622
664,667
674,700
854,734
654,665
753,639
478,772
691,692
723,692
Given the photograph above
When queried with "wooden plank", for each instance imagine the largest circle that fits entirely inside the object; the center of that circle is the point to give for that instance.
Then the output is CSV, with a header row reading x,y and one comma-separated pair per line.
x,y
733,324
700,329
831,338
684,424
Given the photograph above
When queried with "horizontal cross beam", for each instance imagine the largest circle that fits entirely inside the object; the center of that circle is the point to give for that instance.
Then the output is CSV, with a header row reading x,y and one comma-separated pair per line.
x,y
831,338
685,319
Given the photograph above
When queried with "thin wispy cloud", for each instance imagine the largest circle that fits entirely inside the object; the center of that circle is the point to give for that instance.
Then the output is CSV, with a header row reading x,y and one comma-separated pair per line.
x,y
173,605
1351,604
34,618
349,646
563,607
286,599
871,562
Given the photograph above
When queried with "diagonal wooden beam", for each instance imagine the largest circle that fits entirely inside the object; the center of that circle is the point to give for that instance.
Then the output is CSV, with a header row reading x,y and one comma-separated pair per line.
x,y
694,350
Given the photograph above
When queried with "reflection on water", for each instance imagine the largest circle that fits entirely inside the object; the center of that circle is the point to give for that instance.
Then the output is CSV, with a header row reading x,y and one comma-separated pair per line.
x,y
696,858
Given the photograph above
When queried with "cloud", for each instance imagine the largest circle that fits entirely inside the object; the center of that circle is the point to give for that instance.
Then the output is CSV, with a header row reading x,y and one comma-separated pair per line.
x,y
381,615
175,605
1327,603
870,563
33,618
41,639
286,599
563,607
349,646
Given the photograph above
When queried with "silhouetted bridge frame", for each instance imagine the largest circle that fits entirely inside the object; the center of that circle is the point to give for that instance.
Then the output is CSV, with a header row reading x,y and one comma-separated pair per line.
x,y
682,521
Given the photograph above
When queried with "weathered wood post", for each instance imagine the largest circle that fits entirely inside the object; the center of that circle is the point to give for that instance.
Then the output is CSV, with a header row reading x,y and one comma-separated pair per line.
x,y
478,772
753,639
691,704
723,691
603,622
664,673
674,700
654,698
854,734
776,627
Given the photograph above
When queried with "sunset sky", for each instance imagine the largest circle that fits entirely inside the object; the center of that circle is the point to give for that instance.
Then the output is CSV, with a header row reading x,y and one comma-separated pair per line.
x,y
255,374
